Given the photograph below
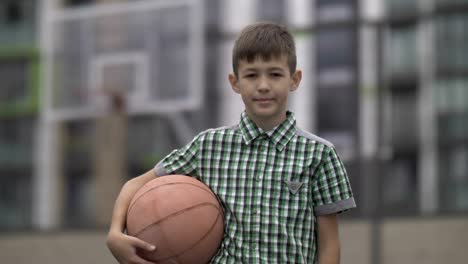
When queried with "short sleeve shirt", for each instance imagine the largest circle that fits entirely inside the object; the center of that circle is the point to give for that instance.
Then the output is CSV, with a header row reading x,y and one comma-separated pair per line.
x,y
272,186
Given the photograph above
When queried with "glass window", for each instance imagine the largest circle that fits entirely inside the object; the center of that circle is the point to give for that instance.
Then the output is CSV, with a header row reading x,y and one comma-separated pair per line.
x,y
78,2
16,165
79,203
453,171
337,93
451,39
212,15
336,47
16,142
13,73
399,185
17,21
15,198
451,97
70,65
174,41
404,119
401,7
334,105
149,139
401,52
13,12
78,171
450,2
271,10
335,10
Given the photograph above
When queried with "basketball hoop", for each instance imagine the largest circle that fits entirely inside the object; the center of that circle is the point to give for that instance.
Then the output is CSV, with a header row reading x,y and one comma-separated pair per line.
x,y
133,63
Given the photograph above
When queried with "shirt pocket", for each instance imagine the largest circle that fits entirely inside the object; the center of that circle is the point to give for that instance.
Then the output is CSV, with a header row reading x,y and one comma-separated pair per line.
x,y
290,201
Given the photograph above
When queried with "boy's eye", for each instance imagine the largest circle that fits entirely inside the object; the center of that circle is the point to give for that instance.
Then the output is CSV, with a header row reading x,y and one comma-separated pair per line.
x,y
251,75
276,74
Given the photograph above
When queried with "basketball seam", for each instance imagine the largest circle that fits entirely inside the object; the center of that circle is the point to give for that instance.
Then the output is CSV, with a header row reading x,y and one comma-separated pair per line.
x,y
196,242
169,183
173,215
204,236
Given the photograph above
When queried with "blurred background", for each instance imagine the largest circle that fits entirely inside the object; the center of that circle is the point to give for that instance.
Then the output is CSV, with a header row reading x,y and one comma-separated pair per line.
x,y
95,92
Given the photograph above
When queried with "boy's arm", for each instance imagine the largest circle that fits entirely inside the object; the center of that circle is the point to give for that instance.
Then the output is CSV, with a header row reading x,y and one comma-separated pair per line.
x,y
328,239
122,246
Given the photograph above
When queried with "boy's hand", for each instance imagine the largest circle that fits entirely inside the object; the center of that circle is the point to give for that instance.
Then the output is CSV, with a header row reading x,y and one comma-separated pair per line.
x,y
123,247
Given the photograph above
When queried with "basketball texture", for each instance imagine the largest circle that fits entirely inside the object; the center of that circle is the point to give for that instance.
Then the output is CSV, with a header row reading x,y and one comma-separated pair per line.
x,y
180,216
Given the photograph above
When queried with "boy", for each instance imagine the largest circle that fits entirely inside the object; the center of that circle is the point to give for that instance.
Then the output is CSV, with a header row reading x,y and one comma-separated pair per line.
x,y
280,187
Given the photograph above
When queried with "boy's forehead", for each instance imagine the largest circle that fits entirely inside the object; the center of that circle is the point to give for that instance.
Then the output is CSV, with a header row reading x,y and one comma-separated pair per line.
x,y
273,61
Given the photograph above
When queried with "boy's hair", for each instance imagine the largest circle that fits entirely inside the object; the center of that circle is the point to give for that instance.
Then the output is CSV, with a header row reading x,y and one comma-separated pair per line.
x,y
264,40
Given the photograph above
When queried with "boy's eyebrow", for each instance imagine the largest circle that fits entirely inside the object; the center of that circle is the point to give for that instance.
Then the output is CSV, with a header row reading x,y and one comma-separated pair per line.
x,y
268,69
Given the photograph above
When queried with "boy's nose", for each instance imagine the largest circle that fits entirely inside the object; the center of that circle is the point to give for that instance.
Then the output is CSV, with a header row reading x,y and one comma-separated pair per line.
x,y
263,85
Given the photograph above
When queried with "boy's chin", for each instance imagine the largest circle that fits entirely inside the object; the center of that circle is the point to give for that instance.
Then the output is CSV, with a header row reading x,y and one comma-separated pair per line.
x,y
265,113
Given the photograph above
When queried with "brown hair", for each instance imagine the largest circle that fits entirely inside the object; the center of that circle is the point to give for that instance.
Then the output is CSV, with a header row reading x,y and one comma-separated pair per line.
x,y
264,40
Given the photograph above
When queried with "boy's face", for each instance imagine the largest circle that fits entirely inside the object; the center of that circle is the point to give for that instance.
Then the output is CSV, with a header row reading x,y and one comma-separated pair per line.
x,y
264,87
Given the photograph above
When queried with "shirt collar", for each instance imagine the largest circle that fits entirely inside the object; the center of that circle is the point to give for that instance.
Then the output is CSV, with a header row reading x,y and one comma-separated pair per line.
x,y
279,136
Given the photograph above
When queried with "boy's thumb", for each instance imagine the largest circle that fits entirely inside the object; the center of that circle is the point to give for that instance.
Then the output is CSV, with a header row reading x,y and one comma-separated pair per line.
x,y
145,245
150,247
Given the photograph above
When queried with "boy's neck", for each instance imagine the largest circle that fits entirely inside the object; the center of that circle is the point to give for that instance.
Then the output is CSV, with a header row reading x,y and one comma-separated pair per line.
x,y
267,124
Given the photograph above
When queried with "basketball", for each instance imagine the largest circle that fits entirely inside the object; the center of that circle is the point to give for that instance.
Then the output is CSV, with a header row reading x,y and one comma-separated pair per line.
x,y
180,216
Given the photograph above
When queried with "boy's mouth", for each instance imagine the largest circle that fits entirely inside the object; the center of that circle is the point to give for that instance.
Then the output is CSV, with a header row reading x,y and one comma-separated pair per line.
x,y
263,99
263,102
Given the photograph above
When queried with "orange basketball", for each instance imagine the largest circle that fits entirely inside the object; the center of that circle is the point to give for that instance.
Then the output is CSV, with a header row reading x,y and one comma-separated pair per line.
x,y
180,216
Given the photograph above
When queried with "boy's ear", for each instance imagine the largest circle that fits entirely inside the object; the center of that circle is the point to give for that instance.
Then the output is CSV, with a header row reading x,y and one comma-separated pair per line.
x,y
296,80
234,82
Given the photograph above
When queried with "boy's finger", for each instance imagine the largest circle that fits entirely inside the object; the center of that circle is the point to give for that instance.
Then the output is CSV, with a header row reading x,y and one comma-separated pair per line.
x,y
142,261
147,262
144,245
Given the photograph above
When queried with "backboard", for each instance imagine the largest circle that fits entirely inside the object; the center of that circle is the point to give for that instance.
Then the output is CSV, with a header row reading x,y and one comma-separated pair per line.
x,y
150,51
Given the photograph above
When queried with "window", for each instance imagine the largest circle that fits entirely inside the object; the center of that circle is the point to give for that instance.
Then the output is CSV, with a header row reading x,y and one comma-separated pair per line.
x,y
450,97
78,2
18,22
13,73
335,10
336,47
173,40
13,12
142,153
400,8
399,185
401,54
78,170
451,2
16,170
453,171
15,198
271,10
404,120
337,93
451,39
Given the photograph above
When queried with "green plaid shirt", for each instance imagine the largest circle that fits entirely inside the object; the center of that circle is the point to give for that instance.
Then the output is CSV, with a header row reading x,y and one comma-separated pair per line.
x,y
272,187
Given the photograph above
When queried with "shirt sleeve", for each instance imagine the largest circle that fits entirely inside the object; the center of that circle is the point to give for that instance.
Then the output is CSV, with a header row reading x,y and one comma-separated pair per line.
x,y
331,191
182,161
